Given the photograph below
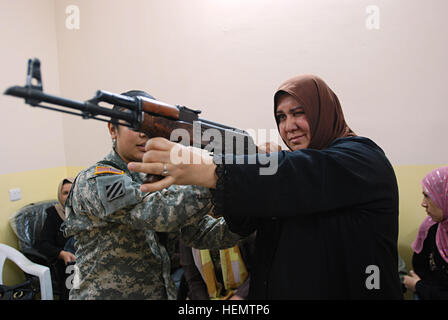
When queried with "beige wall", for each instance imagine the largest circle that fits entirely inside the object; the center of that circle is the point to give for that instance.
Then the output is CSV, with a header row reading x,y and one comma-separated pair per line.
x,y
226,57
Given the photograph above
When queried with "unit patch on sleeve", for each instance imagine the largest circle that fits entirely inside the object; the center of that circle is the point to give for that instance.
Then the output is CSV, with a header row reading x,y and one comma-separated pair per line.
x,y
114,190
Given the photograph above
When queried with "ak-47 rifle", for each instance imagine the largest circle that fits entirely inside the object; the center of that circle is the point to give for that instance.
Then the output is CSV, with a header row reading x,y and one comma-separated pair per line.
x,y
152,117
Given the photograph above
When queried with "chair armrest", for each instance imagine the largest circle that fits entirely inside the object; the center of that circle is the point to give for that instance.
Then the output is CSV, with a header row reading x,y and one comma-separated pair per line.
x,y
43,272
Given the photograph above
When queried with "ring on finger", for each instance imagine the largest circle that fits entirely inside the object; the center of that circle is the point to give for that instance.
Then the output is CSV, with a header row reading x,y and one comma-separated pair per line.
x,y
165,171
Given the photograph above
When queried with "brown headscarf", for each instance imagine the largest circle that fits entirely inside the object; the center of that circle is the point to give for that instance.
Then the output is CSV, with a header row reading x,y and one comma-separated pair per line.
x,y
59,207
321,106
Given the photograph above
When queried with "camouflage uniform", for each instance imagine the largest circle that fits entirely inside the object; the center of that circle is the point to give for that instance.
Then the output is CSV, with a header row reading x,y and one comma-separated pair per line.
x,y
118,229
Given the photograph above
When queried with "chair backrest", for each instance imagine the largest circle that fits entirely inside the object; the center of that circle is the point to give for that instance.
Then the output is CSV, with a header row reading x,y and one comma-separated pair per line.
x,y
43,272
28,222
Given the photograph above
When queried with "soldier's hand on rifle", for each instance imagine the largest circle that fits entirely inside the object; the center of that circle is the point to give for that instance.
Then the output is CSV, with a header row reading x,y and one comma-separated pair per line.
x,y
179,165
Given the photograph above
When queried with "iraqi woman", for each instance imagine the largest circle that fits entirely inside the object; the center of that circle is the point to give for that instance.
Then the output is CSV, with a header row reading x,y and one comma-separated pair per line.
x,y
429,279
52,242
326,221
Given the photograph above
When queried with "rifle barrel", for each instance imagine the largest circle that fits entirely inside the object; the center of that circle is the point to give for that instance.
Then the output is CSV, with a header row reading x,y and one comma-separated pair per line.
x,y
88,109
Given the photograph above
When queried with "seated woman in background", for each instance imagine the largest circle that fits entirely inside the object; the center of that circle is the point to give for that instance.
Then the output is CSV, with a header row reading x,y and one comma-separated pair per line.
x,y
430,259
52,241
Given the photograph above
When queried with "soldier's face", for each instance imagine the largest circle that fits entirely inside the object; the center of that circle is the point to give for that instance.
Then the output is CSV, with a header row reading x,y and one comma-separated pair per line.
x,y
130,144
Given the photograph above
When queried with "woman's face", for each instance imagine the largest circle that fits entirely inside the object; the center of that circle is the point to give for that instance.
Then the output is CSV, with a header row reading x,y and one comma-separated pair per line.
x,y
64,192
432,209
292,123
130,144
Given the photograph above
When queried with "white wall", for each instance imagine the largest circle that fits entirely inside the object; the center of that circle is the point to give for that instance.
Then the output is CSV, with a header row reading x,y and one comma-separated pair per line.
x,y
30,138
227,57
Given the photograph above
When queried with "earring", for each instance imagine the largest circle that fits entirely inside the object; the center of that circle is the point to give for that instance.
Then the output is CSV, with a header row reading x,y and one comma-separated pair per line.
x,y
114,143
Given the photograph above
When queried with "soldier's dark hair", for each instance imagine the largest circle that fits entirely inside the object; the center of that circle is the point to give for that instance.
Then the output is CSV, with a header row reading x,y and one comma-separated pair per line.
x,y
130,93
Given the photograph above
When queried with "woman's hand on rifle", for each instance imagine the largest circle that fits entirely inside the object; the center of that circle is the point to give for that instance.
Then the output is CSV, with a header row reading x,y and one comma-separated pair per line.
x,y
179,165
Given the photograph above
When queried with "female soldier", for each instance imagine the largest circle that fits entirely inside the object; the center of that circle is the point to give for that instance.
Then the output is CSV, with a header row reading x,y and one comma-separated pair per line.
x,y
326,221
124,237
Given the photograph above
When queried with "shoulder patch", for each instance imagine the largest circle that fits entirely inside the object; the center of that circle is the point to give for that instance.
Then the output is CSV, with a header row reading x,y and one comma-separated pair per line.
x,y
114,190
101,170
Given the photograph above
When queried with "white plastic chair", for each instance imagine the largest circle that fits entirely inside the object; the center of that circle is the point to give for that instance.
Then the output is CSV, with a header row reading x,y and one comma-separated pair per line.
x,y
43,272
